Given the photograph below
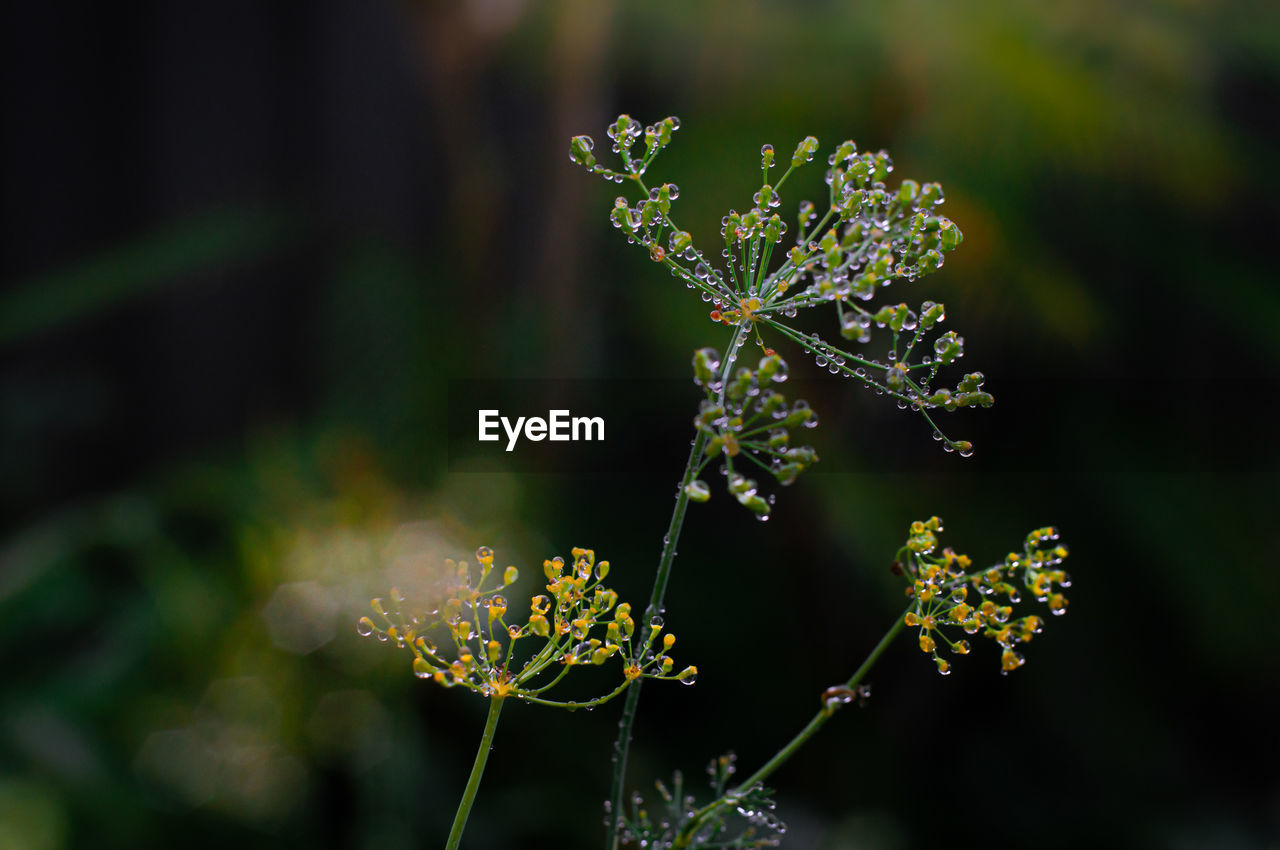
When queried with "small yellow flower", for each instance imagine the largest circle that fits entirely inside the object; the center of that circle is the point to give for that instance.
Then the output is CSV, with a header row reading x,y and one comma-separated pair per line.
x,y
576,603
939,584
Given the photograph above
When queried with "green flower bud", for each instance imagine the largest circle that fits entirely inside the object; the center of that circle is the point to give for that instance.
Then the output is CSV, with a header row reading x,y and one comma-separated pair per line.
x,y
755,504
740,385
624,132
802,456
705,363
883,165
774,229
800,415
975,399
772,403
931,195
665,128
580,151
948,347
804,151
908,192
859,170
772,368
709,413
949,235
697,491
931,314
940,399
895,376
787,473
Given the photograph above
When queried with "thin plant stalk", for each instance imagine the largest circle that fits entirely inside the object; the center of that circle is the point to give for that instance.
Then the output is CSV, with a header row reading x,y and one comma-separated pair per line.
x,y
622,745
793,746
477,771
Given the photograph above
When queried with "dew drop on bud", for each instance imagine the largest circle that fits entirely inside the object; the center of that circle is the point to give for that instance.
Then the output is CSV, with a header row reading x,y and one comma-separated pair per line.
x,y
697,491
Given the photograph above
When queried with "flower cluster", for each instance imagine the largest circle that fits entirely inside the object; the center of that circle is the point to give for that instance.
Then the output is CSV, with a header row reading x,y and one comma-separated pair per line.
x,y
579,621
742,818
743,416
949,595
869,237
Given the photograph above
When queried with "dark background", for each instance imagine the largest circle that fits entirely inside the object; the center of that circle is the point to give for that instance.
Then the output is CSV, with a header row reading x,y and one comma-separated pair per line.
x,y
247,245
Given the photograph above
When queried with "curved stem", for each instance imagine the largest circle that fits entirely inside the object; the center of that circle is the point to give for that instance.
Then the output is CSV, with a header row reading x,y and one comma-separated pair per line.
x,y
783,755
825,714
477,771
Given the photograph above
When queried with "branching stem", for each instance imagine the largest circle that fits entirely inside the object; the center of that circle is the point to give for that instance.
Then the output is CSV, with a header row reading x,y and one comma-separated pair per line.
x,y
622,745
783,755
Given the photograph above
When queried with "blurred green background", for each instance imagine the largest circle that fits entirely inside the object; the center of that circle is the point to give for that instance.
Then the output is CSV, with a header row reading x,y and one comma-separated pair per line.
x,y
248,244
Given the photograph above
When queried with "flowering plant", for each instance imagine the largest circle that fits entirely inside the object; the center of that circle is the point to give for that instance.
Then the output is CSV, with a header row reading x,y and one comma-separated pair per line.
x,y
868,237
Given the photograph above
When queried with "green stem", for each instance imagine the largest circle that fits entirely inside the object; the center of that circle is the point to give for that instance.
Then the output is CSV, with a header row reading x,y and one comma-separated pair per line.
x,y
825,714
477,770
783,755
622,745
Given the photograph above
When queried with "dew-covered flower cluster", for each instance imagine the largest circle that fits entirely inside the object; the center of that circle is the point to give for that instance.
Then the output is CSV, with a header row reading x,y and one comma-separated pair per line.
x,y
868,237
744,418
578,621
952,598
742,818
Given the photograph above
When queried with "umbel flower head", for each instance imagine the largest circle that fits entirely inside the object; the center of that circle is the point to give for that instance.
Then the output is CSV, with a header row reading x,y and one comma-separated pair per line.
x,y
579,621
952,598
673,818
870,236
747,421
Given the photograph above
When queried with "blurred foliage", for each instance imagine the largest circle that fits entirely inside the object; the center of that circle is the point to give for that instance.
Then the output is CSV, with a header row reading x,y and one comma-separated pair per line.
x,y
250,244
